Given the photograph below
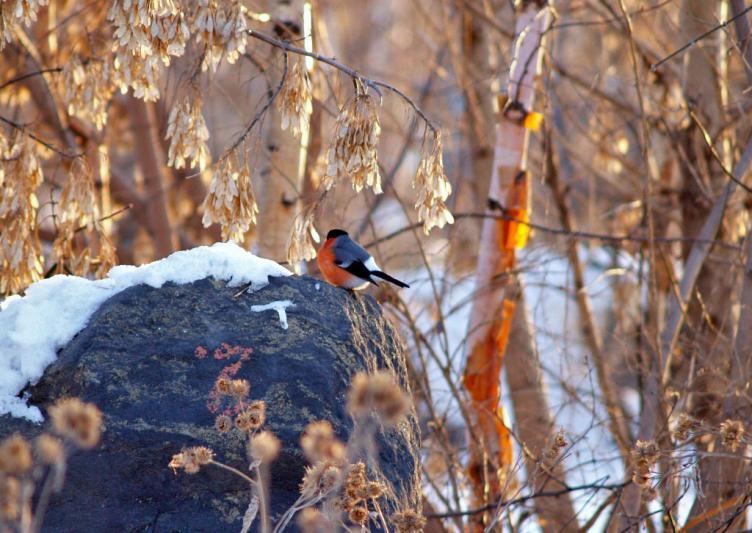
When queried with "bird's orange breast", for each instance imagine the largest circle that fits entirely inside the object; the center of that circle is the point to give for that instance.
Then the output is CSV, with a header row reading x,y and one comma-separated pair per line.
x,y
329,269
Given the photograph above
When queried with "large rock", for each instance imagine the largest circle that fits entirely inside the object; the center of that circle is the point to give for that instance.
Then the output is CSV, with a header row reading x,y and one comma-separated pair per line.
x,y
137,361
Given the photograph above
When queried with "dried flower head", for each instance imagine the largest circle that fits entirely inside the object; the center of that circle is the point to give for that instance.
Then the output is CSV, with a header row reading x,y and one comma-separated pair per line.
x,y
222,27
252,417
49,449
379,393
645,454
20,249
318,442
230,201
375,490
10,498
300,245
239,388
147,34
223,386
192,459
187,132
358,515
77,421
295,100
732,432
408,521
311,520
223,423
320,479
353,152
15,455
433,186
684,425
558,443
264,447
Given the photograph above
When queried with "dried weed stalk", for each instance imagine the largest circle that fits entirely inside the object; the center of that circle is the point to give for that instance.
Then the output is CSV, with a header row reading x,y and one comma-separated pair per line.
x,y
29,475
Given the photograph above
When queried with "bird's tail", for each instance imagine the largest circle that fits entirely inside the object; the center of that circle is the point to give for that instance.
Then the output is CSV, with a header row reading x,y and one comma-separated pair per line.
x,y
390,279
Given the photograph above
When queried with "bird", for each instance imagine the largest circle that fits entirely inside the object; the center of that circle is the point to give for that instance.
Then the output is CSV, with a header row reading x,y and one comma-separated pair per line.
x,y
345,263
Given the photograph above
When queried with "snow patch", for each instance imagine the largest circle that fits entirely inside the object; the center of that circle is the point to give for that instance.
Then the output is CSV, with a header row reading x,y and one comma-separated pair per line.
x,y
35,326
280,306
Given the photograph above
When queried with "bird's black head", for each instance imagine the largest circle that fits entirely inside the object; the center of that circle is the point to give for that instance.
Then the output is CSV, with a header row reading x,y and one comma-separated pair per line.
x,y
333,234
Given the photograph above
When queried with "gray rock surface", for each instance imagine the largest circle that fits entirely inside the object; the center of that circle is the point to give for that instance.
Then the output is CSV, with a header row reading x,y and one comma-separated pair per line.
x,y
137,361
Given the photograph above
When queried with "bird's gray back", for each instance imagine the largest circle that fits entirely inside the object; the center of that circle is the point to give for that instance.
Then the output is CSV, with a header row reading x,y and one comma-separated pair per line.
x,y
347,250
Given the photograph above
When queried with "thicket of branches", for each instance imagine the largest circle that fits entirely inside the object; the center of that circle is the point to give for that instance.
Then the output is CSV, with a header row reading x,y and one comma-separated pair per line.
x,y
563,183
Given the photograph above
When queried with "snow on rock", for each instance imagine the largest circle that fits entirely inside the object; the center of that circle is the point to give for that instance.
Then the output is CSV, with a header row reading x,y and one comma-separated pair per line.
x,y
35,326
280,306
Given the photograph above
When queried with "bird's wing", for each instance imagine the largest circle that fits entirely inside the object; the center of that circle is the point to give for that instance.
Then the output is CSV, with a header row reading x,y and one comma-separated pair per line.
x,y
347,252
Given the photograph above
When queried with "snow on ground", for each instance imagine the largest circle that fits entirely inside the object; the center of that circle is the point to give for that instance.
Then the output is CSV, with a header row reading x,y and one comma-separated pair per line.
x,y
35,326
280,306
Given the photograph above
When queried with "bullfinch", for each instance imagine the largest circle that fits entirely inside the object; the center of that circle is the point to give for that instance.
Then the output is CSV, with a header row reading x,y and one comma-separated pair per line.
x,y
345,263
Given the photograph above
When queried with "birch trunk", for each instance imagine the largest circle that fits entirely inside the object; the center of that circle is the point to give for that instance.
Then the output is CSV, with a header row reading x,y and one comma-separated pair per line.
x,y
493,317
281,175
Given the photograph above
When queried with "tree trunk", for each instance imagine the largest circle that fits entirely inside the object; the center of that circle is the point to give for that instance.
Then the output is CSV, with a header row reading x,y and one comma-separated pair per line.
x,y
281,174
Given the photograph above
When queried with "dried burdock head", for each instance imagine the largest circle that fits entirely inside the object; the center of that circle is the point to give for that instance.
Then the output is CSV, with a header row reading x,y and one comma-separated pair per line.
x,y
239,389
49,449
147,34
187,132
20,248
10,498
379,393
353,152
18,13
192,459
295,101
88,88
311,520
223,423
264,447
223,386
77,421
732,432
645,454
408,521
230,201
433,186
320,479
356,485
358,515
684,425
641,478
375,490
15,455
318,443
300,245
558,443
222,27
252,417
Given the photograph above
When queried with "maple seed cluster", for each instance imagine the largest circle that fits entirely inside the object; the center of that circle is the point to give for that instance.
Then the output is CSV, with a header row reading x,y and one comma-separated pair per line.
x,y
353,154
295,100
230,201
433,186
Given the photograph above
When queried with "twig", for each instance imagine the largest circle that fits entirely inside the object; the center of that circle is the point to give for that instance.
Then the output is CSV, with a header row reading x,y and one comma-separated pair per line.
x,y
373,84
522,499
44,143
263,110
699,38
29,75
